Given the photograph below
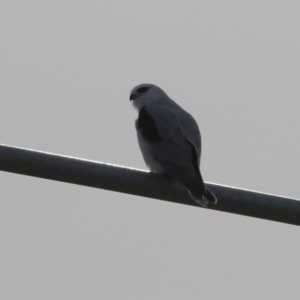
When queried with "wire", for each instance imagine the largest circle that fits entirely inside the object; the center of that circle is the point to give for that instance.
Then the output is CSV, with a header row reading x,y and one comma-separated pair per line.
x,y
141,183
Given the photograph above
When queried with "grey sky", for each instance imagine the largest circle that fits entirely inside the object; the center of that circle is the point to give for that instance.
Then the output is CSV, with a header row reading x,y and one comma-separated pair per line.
x,y
66,71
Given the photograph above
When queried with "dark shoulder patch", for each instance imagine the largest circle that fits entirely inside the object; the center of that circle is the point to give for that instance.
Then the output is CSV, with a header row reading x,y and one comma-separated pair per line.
x,y
147,126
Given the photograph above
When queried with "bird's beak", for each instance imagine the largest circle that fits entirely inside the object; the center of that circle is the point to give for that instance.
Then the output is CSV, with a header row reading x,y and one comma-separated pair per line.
x,y
132,96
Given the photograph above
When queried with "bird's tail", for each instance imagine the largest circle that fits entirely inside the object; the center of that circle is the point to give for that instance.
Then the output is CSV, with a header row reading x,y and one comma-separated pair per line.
x,y
210,196
204,198
192,180
199,199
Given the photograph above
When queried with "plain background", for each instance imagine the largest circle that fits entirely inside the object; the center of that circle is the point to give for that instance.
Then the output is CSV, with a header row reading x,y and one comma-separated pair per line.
x,y
67,68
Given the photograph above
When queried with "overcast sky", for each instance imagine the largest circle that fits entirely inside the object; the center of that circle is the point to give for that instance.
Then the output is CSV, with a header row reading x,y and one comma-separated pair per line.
x,y
66,71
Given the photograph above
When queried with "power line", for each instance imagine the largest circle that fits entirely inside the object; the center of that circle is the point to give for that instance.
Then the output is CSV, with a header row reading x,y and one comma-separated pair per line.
x,y
141,183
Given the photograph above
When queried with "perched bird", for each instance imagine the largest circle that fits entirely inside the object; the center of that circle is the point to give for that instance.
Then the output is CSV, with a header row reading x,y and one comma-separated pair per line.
x,y
169,139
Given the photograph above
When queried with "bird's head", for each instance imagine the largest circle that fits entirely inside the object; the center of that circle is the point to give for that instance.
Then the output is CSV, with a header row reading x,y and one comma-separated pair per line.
x,y
144,94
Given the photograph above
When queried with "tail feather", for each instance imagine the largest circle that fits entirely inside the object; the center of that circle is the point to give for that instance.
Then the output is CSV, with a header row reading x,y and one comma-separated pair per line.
x,y
202,195
199,199
210,196
205,198
192,181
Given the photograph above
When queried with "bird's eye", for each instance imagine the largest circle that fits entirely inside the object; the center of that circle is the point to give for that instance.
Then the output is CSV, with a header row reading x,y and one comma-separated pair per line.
x,y
143,89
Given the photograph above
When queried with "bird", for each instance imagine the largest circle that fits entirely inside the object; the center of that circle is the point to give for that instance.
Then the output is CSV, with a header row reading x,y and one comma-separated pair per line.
x,y
170,141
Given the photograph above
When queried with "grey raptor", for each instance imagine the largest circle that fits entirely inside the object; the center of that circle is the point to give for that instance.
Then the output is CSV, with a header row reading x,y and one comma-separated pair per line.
x,y
170,140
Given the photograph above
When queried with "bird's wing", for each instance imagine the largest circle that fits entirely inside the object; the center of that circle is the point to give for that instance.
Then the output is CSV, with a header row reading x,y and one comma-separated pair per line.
x,y
179,134
173,138
176,151
192,132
